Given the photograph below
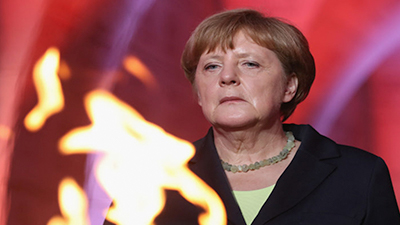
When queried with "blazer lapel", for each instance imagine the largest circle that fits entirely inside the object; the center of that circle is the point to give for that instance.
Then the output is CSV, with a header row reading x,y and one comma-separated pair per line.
x,y
207,166
299,179
306,171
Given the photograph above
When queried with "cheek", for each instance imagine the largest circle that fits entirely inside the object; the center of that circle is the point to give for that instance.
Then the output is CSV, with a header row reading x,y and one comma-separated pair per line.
x,y
267,96
204,100
204,89
201,93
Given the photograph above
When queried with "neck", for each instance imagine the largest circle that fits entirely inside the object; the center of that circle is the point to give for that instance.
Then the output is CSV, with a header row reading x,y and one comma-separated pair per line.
x,y
249,145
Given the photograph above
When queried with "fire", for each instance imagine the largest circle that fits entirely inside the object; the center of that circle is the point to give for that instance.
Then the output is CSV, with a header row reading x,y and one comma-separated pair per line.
x,y
135,67
140,161
73,204
48,87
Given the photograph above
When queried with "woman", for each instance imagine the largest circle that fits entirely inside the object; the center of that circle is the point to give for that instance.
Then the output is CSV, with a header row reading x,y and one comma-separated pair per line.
x,y
249,73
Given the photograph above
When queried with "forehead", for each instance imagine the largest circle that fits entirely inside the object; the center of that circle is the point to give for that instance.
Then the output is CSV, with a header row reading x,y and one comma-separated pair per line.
x,y
239,42
242,46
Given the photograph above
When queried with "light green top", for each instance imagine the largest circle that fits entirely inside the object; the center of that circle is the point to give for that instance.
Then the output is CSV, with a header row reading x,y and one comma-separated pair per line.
x,y
250,202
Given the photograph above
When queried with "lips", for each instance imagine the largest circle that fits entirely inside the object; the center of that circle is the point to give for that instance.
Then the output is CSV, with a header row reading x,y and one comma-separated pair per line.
x,y
230,99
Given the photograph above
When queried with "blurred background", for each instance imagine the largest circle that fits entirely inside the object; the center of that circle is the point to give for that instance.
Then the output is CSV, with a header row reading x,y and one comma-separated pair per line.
x,y
354,100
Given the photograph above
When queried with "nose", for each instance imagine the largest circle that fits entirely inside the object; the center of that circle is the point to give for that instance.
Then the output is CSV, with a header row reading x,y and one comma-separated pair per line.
x,y
229,76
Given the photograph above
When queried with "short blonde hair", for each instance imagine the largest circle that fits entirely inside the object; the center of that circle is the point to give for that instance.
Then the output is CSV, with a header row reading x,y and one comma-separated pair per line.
x,y
284,39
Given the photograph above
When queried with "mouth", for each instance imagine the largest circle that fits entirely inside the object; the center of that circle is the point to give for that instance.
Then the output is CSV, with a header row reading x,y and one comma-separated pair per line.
x,y
231,99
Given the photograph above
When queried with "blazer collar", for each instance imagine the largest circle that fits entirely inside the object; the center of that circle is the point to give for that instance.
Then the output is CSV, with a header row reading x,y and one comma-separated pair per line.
x,y
306,171
207,165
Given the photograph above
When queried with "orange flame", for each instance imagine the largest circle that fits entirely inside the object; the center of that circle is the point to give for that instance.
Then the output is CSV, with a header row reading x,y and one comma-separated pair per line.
x,y
73,204
128,142
132,145
48,87
64,72
136,67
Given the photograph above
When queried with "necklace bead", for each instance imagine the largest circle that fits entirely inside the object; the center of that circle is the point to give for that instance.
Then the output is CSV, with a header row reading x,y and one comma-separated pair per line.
x,y
266,162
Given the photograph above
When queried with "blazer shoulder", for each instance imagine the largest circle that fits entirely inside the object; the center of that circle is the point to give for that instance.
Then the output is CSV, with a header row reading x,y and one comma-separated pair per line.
x,y
358,156
324,148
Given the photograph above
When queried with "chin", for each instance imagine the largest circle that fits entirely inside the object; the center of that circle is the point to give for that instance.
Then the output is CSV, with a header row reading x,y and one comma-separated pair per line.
x,y
234,123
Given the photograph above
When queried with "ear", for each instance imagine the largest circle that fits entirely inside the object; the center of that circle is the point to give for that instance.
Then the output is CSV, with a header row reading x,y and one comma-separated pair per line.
x,y
197,94
199,99
290,88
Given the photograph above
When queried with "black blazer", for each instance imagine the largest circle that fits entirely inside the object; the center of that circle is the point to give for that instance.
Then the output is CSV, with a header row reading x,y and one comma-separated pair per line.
x,y
325,184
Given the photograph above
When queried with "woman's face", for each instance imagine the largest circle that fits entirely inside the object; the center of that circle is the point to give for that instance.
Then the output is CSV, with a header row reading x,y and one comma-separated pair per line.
x,y
243,87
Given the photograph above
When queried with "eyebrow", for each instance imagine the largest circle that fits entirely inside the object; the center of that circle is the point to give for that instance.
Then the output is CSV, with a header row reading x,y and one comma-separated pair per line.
x,y
213,56
218,56
242,55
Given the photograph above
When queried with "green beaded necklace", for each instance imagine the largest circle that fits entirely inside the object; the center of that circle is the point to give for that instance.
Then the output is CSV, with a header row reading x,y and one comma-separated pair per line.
x,y
266,162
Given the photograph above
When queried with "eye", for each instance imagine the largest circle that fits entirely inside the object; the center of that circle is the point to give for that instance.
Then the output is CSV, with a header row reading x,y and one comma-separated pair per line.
x,y
251,64
211,67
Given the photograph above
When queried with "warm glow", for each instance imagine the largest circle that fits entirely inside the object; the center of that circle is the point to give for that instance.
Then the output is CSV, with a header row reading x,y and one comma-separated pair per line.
x,y
5,132
49,91
135,67
64,72
139,160
73,204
